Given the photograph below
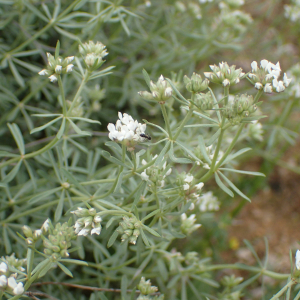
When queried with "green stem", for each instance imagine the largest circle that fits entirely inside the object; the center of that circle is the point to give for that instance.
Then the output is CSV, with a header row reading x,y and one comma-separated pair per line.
x,y
247,268
31,254
231,146
134,161
166,118
32,154
62,93
84,80
184,121
257,96
156,197
289,284
226,94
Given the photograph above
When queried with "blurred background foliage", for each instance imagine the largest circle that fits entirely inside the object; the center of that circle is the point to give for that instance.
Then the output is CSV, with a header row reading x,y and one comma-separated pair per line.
x,y
165,37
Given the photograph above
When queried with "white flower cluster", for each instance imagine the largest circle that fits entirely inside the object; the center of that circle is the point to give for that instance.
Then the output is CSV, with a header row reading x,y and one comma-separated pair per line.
x,y
208,202
224,74
160,91
57,66
89,221
10,283
127,131
255,131
188,224
155,174
266,77
292,12
297,259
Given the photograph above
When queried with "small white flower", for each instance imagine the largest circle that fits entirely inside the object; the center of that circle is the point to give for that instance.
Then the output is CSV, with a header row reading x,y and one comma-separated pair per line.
x,y
253,66
199,186
186,186
268,88
37,233
208,75
96,230
18,288
286,81
169,172
52,78
3,281
3,267
297,259
144,176
43,72
45,226
226,82
84,232
69,59
188,178
69,68
278,85
168,92
58,69
258,86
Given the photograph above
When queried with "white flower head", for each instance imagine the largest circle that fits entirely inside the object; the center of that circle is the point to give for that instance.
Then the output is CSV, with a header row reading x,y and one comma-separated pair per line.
x,y
3,267
188,178
297,259
17,288
3,281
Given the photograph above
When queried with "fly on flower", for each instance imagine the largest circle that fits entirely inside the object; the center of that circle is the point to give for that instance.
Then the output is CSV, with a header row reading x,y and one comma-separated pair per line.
x,y
146,136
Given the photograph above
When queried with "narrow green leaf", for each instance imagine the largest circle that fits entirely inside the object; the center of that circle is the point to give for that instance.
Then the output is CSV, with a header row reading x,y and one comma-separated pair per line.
x,y
176,159
65,269
60,206
61,129
246,282
85,120
45,126
7,154
114,160
173,281
238,153
16,132
234,187
150,230
145,239
208,281
250,247
188,151
177,92
16,73
222,186
57,49
243,172
77,129
124,285
11,175
125,27
203,149
162,154
112,239
119,181
205,117
154,125
147,78
6,241
43,195
150,215
214,137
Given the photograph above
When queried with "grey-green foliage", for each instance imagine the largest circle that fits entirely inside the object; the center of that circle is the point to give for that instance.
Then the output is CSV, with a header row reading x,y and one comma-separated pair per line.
x,y
51,166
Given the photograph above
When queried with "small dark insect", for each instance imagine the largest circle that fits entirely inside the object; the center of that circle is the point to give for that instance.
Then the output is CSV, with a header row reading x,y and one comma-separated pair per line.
x,y
146,136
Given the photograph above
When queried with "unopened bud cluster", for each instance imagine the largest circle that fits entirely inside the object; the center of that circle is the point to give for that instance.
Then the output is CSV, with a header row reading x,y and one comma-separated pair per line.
x,y
34,236
188,224
127,131
93,54
146,290
188,189
266,77
129,229
161,91
156,174
224,74
242,106
8,281
89,221
59,240
195,84
204,101
57,66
